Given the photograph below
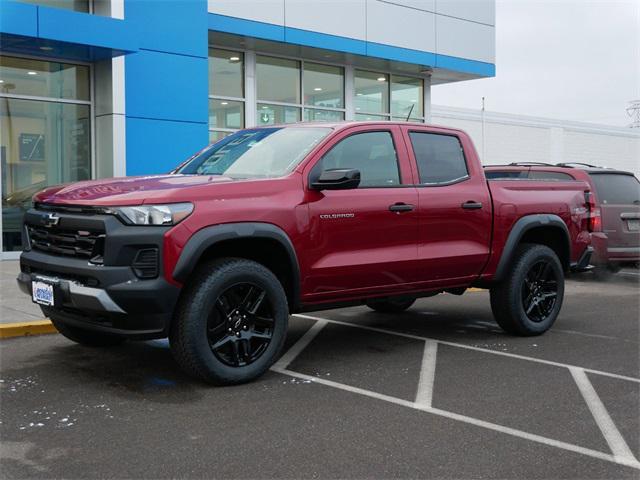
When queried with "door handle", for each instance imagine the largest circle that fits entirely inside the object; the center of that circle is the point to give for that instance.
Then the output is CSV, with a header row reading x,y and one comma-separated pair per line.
x,y
401,207
471,205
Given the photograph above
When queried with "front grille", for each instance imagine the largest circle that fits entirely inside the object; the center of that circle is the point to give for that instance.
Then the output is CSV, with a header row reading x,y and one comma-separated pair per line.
x,y
74,243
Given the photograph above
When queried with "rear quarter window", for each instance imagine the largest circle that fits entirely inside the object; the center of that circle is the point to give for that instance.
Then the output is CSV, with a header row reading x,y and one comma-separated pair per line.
x,y
552,176
505,175
617,188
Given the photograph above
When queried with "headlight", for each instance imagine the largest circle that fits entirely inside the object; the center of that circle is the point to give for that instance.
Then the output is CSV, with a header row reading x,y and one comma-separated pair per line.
x,y
155,214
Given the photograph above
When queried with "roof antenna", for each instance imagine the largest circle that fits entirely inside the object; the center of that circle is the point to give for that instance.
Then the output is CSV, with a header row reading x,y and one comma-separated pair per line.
x,y
410,112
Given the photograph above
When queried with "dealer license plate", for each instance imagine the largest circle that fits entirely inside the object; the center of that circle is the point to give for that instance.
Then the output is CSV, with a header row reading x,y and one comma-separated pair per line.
x,y
633,225
42,293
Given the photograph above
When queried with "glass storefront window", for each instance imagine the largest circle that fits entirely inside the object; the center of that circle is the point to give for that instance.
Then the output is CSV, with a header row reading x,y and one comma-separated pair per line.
x,y
226,73
275,114
372,92
323,85
37,78
278,79
75,5
214,136
406,96
41,143
370,117
226,114
315,115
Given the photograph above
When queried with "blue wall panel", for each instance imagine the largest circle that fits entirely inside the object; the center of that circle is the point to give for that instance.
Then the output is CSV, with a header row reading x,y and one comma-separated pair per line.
x,y
157,146
166,86
18,18
80,28
177,26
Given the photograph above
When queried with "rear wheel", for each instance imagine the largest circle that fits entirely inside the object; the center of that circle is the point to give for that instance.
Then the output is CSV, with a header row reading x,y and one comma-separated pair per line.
x,y
528,301
231,322
390,305
83,336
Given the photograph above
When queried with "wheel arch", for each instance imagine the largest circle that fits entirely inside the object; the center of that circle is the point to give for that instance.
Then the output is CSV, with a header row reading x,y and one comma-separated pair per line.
x,y
543,229
264,243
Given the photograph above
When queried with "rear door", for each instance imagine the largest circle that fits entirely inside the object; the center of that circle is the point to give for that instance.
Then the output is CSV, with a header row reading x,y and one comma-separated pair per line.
x,y
455,209
619,197
362,239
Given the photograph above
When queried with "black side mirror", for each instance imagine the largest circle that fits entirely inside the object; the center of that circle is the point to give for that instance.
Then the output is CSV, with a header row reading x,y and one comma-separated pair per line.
x,y
337,179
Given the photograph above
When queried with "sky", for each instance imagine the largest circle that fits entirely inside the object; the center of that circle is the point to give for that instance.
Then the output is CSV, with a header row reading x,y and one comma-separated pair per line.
x,y
562,59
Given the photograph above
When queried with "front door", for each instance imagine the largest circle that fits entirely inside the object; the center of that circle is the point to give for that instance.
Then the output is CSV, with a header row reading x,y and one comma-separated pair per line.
x,y
364,239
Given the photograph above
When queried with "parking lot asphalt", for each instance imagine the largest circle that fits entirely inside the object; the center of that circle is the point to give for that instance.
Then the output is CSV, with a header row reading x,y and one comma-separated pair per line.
x,y
438,391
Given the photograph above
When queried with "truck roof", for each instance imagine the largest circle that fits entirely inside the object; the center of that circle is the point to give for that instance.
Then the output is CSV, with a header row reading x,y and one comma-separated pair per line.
x,y
354,123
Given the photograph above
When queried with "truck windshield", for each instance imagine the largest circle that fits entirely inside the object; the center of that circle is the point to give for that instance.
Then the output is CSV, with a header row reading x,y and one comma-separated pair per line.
x,y
257,153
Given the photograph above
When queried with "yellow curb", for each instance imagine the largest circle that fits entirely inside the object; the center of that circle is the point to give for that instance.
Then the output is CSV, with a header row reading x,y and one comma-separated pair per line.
x,y
20,329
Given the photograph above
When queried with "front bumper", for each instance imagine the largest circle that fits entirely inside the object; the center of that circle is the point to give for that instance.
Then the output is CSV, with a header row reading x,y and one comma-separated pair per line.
x,y
109,296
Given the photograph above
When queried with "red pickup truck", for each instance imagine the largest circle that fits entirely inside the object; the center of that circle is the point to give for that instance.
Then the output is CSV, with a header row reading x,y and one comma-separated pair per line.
x,y
283,219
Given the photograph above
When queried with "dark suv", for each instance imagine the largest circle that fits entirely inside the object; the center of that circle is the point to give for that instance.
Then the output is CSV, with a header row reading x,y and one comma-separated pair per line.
x,y
615,193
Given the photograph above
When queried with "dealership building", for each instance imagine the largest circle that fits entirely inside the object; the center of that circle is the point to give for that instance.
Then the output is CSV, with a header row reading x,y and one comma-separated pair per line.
x,y
91,89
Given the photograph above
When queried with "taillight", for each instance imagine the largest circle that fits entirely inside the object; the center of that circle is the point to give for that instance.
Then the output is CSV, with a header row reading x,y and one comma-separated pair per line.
x,y
594,219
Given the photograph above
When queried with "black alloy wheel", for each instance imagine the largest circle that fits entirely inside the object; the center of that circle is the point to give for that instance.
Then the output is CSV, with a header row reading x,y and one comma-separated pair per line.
x,y
240,326
540,291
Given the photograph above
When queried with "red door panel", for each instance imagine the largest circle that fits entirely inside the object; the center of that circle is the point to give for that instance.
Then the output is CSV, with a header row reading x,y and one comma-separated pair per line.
x,y
356,243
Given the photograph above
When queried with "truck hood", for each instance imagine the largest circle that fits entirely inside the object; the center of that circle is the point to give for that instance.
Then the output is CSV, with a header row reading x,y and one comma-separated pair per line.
x,y
127,190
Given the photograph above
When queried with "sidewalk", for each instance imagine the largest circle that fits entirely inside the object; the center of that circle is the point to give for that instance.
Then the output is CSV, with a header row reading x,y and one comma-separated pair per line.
x,y
15,306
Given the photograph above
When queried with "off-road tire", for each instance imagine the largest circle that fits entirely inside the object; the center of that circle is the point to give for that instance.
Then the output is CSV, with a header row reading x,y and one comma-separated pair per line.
x,y
507,301
391,305
188,334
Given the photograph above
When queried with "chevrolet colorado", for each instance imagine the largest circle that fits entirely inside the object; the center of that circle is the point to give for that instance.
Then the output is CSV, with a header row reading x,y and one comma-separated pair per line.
x,y
283,219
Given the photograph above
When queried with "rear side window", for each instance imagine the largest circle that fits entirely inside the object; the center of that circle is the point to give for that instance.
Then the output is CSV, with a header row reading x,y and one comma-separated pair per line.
x,y
440,158
616,188
372,153
557,176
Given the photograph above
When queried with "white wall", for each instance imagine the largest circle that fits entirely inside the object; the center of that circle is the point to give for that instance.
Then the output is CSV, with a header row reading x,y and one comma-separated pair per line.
x,y
460,28
521,138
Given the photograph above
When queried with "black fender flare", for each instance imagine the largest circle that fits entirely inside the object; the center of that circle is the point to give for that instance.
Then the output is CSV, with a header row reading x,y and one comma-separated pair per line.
x,y
522,226
208,236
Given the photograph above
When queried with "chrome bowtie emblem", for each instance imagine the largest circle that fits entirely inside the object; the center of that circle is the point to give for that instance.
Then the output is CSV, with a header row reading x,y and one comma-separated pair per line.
x,y
49,219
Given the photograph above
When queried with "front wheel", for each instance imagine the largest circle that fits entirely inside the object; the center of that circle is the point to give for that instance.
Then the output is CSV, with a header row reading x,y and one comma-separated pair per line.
x,y
528,301
231,322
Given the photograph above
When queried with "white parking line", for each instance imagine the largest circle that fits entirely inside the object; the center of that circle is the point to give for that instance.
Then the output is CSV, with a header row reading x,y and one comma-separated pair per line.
x,y
611,433
424,395
470,347
463,418
300,345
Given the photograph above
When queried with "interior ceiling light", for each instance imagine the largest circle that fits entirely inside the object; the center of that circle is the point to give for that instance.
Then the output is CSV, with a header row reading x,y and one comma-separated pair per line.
x,y
234,59
1,81
382,79
224,103
31,72
317,89
46,49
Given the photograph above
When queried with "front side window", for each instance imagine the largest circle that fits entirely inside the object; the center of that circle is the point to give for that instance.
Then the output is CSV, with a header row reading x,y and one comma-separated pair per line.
x,y
257,153
372,153
440,158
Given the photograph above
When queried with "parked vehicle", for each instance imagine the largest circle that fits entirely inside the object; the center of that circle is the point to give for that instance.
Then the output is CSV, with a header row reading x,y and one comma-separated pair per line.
x,y
615,199
283,219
